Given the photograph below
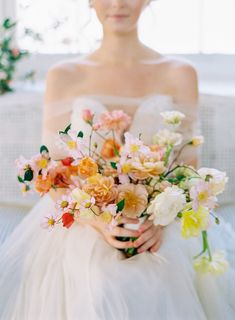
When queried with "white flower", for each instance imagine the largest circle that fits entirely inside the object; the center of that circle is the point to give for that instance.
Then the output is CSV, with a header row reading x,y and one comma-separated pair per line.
x,y
217,179
197,141
167,205
165,137
172,117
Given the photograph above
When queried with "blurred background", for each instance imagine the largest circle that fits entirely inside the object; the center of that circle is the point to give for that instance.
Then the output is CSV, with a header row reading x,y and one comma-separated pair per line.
x,y
36,34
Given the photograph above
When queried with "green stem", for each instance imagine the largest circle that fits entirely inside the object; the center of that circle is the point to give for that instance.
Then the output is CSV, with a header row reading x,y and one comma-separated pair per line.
x,y
177,155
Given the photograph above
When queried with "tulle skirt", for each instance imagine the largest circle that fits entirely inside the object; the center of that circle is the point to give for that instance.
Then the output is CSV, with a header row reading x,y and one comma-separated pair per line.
x,y
74,274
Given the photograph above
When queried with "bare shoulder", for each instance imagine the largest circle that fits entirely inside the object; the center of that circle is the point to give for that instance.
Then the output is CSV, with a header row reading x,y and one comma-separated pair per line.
x,y
59,79
182,80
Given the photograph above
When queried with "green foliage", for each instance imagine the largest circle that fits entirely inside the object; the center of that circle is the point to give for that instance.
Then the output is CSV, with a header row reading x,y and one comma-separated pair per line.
x,y
44,149
113,165
120,205
10,55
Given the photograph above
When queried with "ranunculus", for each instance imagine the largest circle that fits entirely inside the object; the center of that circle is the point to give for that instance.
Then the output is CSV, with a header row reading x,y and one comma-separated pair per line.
x,y
87,167
217,179
67,219
136,199
143,166
116,120
165,207
43,185
101,188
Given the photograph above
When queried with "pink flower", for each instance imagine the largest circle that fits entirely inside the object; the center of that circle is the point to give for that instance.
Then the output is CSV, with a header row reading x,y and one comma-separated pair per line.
x,y
133,146
202,195
87,115
96,126
64,203
115,120
74,145
43,163
49,222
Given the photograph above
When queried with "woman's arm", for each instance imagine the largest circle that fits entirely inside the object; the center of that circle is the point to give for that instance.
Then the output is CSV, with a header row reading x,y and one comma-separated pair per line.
x,y
184,86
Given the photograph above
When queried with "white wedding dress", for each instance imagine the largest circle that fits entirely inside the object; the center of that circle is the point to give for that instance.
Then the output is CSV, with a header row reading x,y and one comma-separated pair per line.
x,y
73,274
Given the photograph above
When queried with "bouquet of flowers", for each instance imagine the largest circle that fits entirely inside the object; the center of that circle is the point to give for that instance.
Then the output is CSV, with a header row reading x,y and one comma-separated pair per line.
x,y
124,177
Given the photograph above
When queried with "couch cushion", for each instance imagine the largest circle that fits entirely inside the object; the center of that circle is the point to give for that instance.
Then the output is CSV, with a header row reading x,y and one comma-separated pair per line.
x,y
217,114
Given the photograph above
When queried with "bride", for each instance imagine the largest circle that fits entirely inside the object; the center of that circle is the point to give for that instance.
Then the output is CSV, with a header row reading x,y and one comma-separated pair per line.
x,y
79,273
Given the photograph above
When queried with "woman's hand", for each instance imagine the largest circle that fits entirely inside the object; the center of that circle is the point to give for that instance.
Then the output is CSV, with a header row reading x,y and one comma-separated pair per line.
x,y
150,238
118,231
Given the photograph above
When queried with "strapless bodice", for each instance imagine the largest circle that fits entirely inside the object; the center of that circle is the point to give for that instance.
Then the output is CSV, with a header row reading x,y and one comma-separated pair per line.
x,y
146,119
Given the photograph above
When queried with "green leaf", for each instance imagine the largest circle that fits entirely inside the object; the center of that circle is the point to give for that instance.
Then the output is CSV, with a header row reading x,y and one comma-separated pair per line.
x,y
67,128
80,134
28,176
21,180
167,154
120,205
113,165
44,149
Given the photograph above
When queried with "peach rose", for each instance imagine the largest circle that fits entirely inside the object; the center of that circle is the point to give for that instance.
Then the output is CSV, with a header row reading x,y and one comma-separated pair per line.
x,y
87,167
145,167
136,199
43,185
101,188
116,120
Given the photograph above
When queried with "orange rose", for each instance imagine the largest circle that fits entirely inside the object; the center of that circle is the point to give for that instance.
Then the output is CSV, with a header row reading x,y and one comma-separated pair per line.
x,y
87,167
43,185
101,188
61,176
108,149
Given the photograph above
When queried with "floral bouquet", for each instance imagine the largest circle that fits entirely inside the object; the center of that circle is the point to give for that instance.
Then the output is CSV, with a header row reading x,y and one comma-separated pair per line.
x,y
124,177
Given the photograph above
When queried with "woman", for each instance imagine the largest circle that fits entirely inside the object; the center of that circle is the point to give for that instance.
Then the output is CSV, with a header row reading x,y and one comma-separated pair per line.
x,y
80,274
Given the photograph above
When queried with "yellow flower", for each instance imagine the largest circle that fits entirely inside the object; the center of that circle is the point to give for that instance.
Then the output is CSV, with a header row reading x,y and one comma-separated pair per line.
x,y
126,168
42,163
217,266
193,222
71,144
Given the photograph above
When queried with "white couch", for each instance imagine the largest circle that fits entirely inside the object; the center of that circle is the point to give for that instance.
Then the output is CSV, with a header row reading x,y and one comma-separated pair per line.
x,y
20,127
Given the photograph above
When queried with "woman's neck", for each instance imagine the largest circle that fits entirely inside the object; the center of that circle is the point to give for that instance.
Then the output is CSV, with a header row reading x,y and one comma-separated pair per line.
x,y
124,49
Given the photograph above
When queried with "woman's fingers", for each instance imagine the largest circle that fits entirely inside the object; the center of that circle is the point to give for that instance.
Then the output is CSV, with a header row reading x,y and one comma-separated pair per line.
x,y
156,246
146,225
147,245
123,232
122,220
149,233
121,244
